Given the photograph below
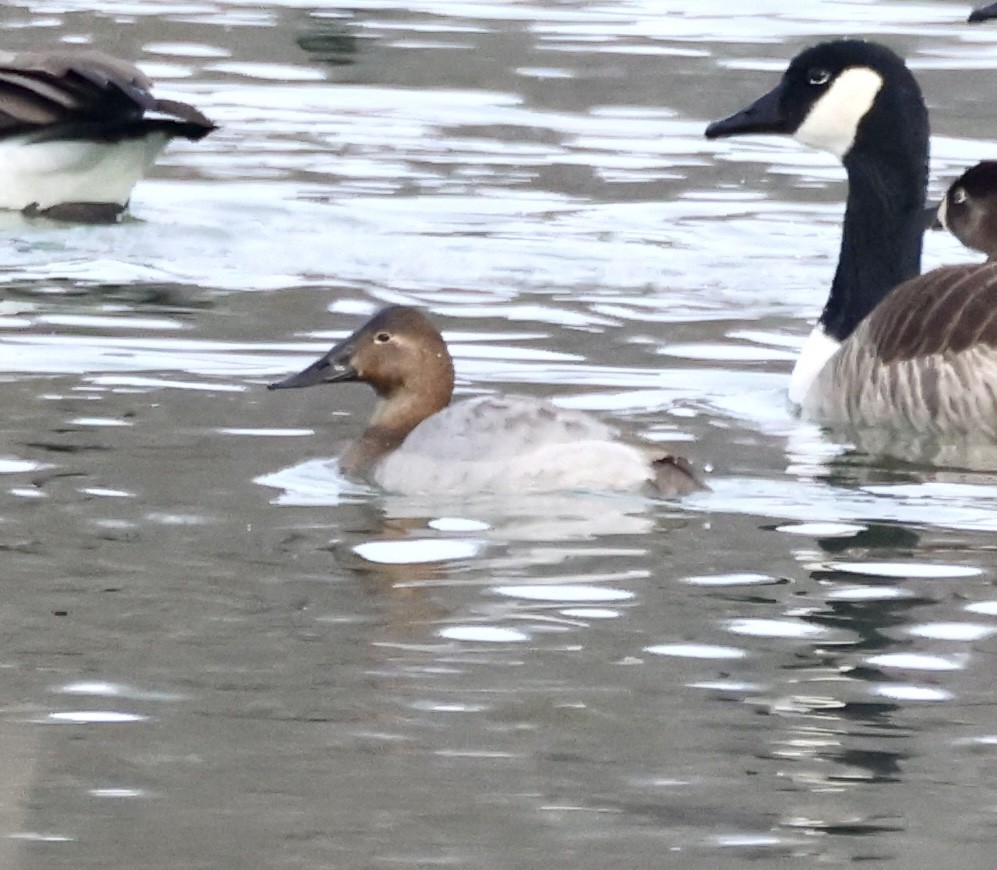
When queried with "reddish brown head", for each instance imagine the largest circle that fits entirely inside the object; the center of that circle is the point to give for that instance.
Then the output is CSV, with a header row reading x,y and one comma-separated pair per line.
x,y
402,356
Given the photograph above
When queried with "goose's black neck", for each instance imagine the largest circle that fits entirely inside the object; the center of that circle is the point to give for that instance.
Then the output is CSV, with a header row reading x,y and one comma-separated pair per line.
x,y
884,218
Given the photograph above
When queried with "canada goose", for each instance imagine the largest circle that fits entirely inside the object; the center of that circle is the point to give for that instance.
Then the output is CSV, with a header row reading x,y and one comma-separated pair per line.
x,y
969,209
78,129
891,348
417,442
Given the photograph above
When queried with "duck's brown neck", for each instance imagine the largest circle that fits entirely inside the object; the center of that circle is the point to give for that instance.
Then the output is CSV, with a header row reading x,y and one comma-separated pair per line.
x,y
397,414
363,454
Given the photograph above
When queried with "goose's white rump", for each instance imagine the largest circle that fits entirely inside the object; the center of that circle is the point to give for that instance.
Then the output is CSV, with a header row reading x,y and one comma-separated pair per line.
x,y
42,175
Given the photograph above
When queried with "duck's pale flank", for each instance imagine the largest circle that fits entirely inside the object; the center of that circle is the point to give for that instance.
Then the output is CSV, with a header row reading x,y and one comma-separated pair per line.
x,y
418,442
78,129
891,348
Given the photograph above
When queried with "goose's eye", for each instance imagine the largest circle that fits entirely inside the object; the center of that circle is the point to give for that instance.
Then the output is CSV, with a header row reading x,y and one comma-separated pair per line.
x,y
818,76
959,195
382,337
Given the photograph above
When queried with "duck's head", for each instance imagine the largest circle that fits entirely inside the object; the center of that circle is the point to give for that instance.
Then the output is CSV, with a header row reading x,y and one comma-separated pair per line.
x,y
969,210
398,352
838,96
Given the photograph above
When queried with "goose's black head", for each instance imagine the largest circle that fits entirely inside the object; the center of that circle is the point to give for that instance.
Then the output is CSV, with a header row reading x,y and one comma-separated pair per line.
x,y
859,101
841,96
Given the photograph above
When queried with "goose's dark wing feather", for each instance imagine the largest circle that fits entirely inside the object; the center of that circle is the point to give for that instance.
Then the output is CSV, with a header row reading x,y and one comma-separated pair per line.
x,y
948,310
73,92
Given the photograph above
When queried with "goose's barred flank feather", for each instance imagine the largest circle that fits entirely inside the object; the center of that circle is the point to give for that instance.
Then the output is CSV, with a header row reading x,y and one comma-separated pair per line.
x,y
948,311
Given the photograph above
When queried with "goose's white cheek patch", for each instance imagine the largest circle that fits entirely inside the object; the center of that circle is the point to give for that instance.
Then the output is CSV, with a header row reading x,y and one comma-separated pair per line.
x,y
833,120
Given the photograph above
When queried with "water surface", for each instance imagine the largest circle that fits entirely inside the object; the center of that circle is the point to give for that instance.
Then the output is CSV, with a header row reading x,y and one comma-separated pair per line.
x,y
219,653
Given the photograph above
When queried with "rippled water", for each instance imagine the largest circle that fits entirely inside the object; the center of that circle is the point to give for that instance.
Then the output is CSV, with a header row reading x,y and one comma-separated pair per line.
x,y
217,652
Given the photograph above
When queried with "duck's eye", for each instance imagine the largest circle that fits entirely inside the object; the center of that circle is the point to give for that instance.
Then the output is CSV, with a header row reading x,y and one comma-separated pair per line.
x,y
959,195
818,76
382,337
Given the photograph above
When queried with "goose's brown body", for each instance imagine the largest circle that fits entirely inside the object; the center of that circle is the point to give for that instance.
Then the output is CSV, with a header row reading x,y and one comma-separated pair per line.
x,y
925,359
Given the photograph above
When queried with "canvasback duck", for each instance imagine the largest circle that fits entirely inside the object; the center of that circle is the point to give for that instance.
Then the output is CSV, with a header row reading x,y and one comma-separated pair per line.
x,y
892,348
969,209
78,129
417,442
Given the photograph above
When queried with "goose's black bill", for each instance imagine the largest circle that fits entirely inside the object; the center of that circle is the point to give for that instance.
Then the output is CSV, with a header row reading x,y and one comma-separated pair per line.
x,y
764,115
984,13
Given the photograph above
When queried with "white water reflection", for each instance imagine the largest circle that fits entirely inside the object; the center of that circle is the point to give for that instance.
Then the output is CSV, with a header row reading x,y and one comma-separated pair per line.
x,y
457,524
901,570
414,552
13,465
867,593
822,530
815,502
918,661
483,634
102,689
912,693
118,792
696,651
954,631
564,592
94,717
745,579
316,482
777,628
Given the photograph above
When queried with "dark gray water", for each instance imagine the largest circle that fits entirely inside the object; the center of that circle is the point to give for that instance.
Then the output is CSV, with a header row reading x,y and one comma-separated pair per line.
x,y
218,653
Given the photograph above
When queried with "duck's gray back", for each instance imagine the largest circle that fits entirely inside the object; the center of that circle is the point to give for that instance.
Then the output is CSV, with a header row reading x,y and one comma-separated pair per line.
x,y
502,427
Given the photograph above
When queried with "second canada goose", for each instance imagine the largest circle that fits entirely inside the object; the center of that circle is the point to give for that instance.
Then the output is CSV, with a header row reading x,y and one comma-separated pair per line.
x,y
891,348
969,209
78,129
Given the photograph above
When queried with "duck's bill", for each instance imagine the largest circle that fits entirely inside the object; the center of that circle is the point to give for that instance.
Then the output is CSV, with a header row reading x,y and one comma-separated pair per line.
x,y
984,13
335,366
764,115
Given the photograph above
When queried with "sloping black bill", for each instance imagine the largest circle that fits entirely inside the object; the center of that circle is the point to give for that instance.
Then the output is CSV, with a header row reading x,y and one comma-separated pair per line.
x,y
764,115
984,13
328,369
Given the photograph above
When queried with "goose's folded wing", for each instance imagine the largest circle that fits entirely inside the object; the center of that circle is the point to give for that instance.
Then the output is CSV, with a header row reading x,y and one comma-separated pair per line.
x,y
945,311
74,89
